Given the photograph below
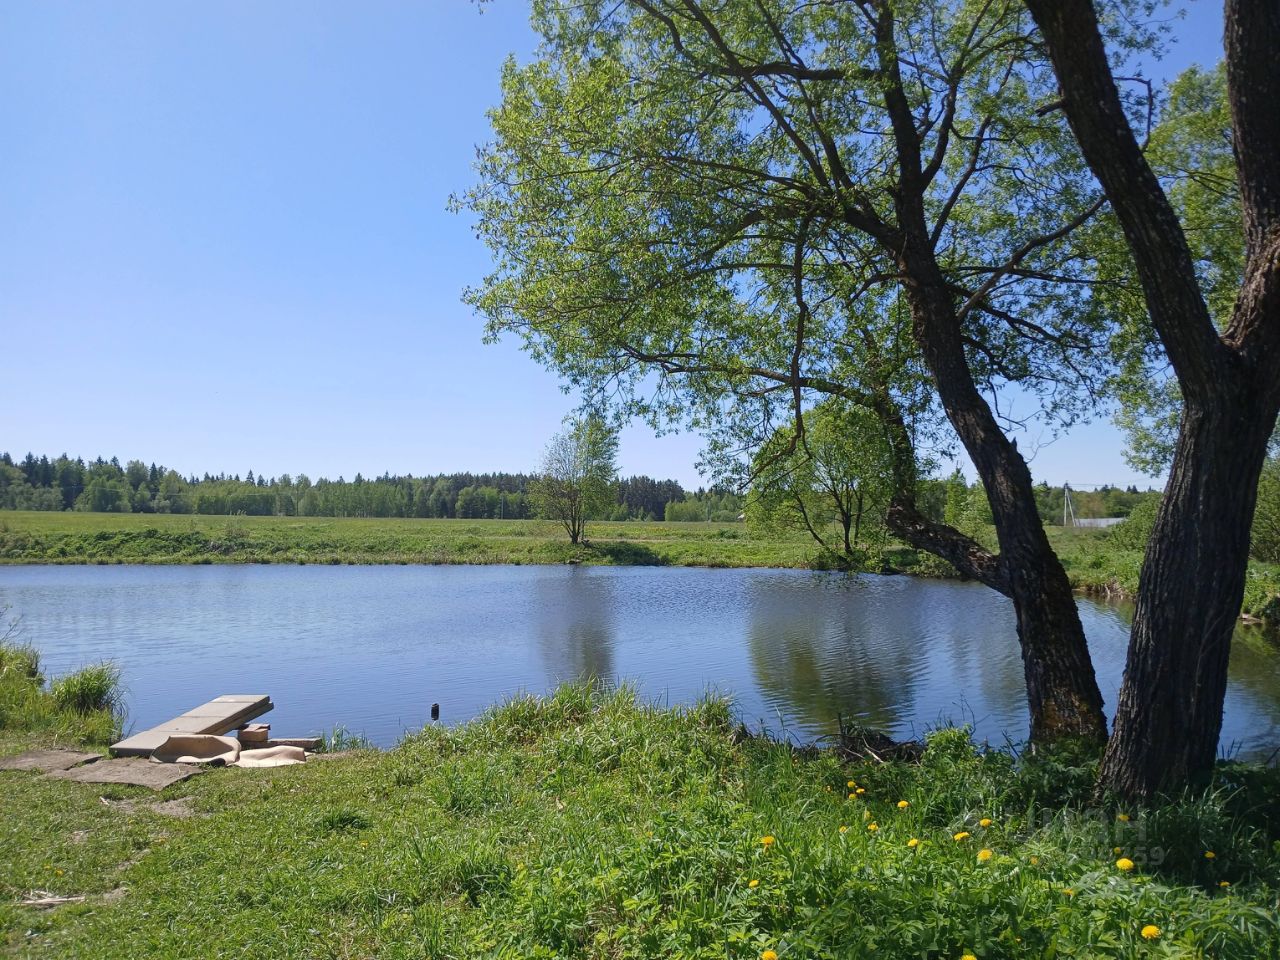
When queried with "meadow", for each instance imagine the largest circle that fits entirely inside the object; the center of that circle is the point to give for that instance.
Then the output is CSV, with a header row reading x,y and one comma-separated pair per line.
x,y
589,825
69,537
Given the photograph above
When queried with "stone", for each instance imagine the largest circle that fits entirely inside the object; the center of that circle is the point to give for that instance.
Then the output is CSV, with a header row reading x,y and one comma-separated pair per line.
x,y
132,771
47,761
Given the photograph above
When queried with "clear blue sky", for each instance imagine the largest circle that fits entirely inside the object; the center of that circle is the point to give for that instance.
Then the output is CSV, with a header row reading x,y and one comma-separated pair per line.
x,y
224,243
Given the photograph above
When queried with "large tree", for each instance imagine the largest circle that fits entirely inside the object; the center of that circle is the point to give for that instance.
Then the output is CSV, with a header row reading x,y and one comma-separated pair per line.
x,y
735,209
1169,714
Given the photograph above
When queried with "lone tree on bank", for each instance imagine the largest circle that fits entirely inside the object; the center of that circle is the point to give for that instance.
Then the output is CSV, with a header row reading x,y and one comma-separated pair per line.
x,y
578,476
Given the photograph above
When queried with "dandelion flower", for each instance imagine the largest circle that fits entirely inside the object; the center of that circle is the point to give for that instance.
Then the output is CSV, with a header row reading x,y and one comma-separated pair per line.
x,y
873,827
860,791
1224,883
1150,932
1035,861
903,804
985,822
1125,864
752,884
851,784
1068,891
1209,854
769,955
962,835
1122,817
853,796
767,842
984,855
968,956
844,829
913,843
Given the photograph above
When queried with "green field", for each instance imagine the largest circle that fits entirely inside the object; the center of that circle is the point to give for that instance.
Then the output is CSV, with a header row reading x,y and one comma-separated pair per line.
x,y
591,826
1093,562
28,537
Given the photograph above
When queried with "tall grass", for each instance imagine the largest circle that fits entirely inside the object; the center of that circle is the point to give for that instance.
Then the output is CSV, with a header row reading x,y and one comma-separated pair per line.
x,y
83,707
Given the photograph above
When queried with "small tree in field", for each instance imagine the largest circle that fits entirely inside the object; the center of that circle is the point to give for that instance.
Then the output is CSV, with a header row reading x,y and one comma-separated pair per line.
x,y
578,476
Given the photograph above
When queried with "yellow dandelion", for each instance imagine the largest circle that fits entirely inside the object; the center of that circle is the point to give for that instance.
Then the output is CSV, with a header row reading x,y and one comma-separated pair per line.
x,y
853,796
984,855
873,827
903,804
1125,864
962,835
968,956
860,791
985,822
1209,854
1150,932
913,843
767,842
752,884
851,784
1122,817
844,829
769,955
1068,891
1224,883
1035,861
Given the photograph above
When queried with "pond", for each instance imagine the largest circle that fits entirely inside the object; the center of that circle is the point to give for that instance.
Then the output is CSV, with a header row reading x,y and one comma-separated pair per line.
x,y
371,648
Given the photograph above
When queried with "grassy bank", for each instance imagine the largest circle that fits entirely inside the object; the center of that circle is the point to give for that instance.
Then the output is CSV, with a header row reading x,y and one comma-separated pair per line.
x,y
1095,562
82,707
29,537
1100,567
591,826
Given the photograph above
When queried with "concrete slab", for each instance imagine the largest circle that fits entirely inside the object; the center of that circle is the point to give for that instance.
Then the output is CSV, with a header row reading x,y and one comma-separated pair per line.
x,y
48,760
132,771
220,715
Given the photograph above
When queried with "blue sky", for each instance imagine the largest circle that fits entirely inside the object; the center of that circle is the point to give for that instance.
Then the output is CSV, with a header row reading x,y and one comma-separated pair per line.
x,y
225,243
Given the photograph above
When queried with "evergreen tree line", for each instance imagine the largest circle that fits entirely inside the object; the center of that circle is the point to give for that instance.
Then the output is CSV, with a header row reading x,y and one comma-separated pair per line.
x,y
104,486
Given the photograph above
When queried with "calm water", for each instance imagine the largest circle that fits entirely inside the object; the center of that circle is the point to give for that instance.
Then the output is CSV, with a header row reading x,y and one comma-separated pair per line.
x,y
371,648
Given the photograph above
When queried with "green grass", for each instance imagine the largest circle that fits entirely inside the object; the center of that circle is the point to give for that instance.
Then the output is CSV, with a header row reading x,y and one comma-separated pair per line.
x,y
85,707
587,825
1099,566
29,537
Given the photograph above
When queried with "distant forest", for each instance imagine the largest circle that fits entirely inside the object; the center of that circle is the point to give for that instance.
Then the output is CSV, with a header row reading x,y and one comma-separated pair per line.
x,y
104,486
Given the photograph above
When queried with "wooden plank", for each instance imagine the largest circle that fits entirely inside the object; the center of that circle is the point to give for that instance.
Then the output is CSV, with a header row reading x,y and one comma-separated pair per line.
x,y
218,716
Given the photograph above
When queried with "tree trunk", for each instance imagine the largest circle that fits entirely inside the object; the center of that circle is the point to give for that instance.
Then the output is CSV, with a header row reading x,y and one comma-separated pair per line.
x,y
1169,715
1062,692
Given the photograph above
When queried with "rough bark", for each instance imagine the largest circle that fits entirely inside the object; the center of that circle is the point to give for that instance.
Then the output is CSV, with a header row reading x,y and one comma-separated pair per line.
x,y
1062,691
1169,715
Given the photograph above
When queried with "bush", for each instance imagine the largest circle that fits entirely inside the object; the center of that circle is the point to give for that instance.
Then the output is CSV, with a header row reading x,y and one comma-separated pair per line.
x,y
1134,533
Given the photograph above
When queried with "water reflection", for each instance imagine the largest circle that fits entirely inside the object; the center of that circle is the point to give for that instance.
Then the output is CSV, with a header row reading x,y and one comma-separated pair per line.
x,y
876,651
575,626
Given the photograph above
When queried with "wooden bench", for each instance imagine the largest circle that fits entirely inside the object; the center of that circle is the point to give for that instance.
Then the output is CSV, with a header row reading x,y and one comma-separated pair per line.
x,y
220,715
